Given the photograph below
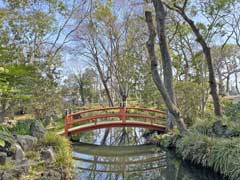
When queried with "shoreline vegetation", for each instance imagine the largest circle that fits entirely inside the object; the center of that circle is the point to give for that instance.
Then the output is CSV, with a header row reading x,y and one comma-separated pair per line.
x,y
217,148
41,156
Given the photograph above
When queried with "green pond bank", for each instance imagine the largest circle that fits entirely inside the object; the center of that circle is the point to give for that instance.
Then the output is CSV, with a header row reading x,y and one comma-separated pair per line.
x,y
211,144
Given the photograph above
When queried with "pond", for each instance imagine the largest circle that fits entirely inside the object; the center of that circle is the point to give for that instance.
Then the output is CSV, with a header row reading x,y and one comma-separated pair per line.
x,y
125,156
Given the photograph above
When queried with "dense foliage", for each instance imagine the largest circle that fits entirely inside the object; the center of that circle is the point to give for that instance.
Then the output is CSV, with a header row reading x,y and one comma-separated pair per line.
x,y
220,154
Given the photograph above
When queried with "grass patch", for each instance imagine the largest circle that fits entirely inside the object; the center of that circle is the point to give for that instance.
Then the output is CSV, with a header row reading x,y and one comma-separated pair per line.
x,y
9,165
62,147
58,125
34,171
23,117
33,155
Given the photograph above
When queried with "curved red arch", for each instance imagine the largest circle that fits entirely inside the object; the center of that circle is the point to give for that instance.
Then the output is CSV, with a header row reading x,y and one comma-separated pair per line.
x,y
110,124
123,113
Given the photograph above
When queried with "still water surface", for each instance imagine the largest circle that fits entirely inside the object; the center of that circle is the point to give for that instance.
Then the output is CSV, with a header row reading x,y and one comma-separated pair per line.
x,y
125,157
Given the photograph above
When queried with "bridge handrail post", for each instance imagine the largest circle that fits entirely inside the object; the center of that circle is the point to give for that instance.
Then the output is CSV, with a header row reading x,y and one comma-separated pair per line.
x,y
123,113
66,123
70,119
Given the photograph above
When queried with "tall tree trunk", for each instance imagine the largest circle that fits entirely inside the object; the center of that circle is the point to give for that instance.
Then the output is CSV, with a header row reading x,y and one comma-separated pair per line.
x,y
110,101
236,83
104,82
227,84
81,89
204,90
221,89
156,77
208,57
185,58
166,59
186,70
124,95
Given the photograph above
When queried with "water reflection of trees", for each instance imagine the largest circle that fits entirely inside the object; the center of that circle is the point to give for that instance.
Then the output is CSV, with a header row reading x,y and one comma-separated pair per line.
x,y
117,136
127,159
117,165
121,136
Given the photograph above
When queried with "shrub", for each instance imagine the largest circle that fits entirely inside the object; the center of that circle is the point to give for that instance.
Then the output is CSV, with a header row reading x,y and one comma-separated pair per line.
x,y
195,147
203,126
225,157
168,140
6,138
3,128
22,127
221,154
62,148
188,96
232,111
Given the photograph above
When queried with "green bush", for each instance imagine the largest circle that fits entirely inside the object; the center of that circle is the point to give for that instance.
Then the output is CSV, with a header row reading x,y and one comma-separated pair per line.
x,y
195,147
203,126
62,148
188,97
3,128
5,138
232,111
225,157
221,154
22,127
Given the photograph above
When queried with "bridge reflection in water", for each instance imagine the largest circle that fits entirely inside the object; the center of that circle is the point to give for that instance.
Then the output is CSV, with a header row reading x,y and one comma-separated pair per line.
x,y
138,162
117,162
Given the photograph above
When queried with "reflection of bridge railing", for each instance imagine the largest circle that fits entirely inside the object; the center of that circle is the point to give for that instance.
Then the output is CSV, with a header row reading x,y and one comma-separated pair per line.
x,y
147,160
111,159
101,150
119,171
79,121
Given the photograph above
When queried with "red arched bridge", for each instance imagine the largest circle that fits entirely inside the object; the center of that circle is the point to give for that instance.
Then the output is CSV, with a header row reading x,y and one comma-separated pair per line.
x,y
109,117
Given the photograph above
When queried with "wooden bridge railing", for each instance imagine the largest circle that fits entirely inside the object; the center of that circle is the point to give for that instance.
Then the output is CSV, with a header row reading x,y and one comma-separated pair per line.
x,y
123,113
